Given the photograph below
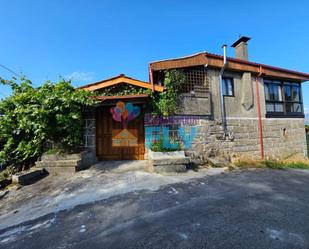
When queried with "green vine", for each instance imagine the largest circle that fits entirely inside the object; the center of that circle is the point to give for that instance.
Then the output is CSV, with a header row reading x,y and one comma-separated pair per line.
x,y
124,90
32,116
165,103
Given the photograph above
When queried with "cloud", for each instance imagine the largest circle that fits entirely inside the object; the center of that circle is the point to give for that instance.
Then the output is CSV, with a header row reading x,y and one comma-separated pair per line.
x,y
80,76
306,110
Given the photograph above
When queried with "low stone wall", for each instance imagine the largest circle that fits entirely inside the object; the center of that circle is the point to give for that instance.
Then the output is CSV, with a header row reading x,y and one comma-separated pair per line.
x,y
282,138
203,138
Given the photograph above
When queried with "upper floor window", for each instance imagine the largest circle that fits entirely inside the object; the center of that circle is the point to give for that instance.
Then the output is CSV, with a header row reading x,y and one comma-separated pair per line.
x,y
228,87
283,98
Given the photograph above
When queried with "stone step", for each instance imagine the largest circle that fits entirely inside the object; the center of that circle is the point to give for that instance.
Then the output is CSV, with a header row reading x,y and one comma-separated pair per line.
x,y
170,161
170,168
61,170
54,157
58,163
29,176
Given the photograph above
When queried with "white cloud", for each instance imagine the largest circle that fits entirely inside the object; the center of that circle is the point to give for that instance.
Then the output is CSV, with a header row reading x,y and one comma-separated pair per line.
x,y
80,76
306,110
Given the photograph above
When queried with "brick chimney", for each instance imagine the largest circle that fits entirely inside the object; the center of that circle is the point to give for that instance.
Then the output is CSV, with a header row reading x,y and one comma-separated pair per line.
x,y
241,50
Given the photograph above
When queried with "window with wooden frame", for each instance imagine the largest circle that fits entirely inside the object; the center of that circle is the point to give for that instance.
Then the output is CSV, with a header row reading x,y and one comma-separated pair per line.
x,y
195,76
228,87
283,99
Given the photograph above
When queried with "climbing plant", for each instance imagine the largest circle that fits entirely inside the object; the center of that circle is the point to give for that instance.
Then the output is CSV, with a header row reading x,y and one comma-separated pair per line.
x,y
165,103
31,116
160,103
123,90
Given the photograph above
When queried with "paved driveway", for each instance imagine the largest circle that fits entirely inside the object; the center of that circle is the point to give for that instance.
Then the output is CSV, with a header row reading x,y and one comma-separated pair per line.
x,y
240,209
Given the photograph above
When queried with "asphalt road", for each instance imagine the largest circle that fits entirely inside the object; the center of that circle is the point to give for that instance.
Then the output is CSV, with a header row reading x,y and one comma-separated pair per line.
x,y
240,209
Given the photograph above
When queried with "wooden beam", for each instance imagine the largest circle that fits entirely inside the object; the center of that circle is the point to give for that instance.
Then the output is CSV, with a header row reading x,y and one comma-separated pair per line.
x,y
121,80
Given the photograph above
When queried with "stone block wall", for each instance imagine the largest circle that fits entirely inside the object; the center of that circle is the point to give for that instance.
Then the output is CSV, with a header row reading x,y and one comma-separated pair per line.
x,y
283,138
202,137
89,133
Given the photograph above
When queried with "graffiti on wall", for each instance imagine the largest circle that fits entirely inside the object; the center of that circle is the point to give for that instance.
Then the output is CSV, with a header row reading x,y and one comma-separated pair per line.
x,y
124,112
184,134
172,130
152,120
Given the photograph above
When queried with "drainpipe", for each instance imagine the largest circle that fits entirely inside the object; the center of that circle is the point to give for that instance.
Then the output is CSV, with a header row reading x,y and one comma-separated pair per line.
x,y
258,101
221,89
151,78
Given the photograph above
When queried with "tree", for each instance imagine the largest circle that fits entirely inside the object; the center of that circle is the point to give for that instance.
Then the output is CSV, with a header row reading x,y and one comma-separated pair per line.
x,y
31,116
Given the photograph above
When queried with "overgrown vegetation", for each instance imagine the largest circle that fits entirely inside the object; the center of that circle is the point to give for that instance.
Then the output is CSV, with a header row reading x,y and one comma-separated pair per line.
x,y
32,116
158,146
273,164
165,103
160,103
124,90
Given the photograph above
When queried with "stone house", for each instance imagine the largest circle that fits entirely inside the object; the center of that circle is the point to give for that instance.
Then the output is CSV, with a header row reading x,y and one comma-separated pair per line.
x,y
228,106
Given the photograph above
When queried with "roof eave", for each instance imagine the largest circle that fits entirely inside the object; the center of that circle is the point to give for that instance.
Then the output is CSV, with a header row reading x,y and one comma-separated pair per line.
x,y
216,61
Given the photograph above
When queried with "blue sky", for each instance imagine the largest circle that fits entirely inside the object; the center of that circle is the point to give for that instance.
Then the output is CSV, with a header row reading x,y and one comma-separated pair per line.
x,y
90,40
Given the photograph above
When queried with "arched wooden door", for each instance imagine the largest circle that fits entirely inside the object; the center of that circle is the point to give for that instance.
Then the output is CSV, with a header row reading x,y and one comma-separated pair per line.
x,y
115,142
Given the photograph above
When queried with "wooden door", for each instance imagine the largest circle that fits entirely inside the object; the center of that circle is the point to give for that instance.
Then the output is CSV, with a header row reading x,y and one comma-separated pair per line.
x,y
106,126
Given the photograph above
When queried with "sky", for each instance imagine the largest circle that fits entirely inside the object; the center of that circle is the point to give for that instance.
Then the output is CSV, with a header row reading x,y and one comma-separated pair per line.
x,y
90,40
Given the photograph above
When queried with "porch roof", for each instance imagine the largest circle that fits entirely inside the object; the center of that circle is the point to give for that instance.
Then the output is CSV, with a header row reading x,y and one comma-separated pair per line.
x,y
120,79
115,97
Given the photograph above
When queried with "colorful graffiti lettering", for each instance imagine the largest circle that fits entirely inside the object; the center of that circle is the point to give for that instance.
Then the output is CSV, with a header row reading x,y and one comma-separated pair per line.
x,y
154,133
124,112
179,120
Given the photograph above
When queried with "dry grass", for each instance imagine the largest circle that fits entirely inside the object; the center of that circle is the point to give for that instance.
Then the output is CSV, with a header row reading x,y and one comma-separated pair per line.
x,y
243,163
8,172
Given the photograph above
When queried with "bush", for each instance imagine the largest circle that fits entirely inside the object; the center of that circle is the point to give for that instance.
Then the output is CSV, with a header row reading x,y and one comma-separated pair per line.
x,y
158,146
31,116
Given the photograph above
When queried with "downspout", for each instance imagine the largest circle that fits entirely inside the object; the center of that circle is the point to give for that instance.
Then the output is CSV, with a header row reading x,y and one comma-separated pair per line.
x,y
221,89
258,101
151,78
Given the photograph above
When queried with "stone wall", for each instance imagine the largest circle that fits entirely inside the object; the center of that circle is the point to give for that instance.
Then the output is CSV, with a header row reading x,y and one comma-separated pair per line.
x,y
202,137
89,133
283,138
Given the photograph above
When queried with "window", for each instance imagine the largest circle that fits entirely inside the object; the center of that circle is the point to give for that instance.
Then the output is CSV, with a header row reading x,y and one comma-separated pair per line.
x,y
228,87
283,99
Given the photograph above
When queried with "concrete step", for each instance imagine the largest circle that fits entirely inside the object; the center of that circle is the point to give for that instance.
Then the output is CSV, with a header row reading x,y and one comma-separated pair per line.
x,y
29,176
61,170
54,157
59,163
170,168
170,161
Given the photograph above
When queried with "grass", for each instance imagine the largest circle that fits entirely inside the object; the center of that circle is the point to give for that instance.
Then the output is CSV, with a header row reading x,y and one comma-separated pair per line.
x,y
158,146
273,164
4,174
